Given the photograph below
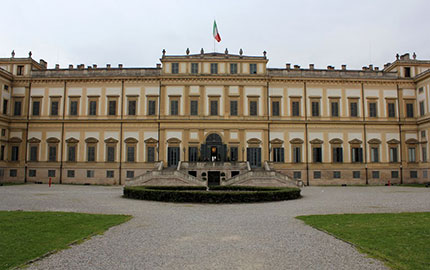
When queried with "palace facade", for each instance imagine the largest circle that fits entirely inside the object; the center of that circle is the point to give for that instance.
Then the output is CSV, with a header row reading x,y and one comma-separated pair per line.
x,y
197,112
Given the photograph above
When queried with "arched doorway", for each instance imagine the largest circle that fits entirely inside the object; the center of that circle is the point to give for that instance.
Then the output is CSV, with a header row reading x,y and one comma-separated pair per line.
x,y
213,149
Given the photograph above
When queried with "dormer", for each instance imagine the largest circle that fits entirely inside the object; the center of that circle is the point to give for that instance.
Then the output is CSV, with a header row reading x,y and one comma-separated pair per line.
x,y
21,66
214,63
407,67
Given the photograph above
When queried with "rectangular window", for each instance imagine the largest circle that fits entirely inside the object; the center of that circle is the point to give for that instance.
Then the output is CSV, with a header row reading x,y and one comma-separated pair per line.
x,y
54,108
3,132
51,173
394,174
6,87
297,175
233,108
175,68
423,134
194,107
425,174
130,153
336,174
192,154
335,109
421,90
90,173
275,108
407,72
373,112
391,109
233,68
234,153
17,108
194,68
2,152
110,154
70,173
337,154
253,108
424,153
295,108
150,154
374,154
317,154
411,154
5,101
353,109
174,107
393,154
33,153
214,68
409,110
71,152
355,174
52,153
132,107
73,107
375,174
15,153
317,174
151,107
297,154
130,174
112,107
92,107
278,154
253,68
91,153
357,154
110,174
413,174
214,107
13,172
315,108
422,108
36,108
32,173
20,70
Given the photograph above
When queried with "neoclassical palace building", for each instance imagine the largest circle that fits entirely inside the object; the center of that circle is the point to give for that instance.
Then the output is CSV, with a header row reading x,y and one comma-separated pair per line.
x,y
215,118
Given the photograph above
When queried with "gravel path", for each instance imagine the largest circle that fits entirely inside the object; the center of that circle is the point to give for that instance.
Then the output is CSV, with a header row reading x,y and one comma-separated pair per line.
x,y
192,236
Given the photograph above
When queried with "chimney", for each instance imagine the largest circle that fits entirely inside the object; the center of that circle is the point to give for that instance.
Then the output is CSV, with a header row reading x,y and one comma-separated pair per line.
x,y
108,66
405,57
43,63
288,66
376,68
57,66
81,66
70,66
94,65
343,67
158,65
365,68
330,67
371,67
311,66
89,67
120,66
296,67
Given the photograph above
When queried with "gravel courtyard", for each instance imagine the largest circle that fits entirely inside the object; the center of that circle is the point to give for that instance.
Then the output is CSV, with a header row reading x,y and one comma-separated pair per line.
x,y
193,236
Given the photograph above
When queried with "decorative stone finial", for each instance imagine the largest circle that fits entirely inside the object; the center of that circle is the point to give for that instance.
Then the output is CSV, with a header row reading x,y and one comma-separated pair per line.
x,y
264,53
414,56
30,54
164,52
397,56
187,51
202,51
226,51
13,53
240,51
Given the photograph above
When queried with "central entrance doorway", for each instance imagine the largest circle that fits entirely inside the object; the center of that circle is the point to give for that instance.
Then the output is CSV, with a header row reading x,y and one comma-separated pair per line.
x,y
213,150
213,178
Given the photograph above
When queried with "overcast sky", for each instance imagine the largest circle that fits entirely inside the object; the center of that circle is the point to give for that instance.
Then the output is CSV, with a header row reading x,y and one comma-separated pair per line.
x,y
329,32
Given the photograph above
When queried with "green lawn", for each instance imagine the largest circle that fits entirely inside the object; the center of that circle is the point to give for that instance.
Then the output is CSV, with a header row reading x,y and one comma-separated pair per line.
x,y
400,240
28,235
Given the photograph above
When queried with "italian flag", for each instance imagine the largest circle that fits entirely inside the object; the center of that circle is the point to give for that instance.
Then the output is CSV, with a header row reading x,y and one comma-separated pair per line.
x,y
217,37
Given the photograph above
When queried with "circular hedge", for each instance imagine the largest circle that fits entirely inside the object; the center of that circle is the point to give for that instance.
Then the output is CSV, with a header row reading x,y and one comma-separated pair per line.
x,y
216,194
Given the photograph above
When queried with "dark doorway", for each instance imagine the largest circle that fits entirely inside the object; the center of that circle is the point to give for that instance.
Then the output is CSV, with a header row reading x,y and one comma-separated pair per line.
x,y
172,156
254,157
213,178
213,149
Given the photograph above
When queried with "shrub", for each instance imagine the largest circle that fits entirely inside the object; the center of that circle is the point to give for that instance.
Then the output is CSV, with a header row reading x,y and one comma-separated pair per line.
x,y
217,194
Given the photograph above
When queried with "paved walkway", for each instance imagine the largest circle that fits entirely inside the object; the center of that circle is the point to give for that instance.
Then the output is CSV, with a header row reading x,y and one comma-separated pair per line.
x,y
193,236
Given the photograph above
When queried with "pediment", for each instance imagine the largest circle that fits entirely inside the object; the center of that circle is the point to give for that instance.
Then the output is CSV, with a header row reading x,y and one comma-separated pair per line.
x,y
355,141
91,140
151,141
173,140
131,140
374,141
411,141
336,141
296,141
316,141
72,140
52,140
15,140
393,141
254,141
34,140
277,141
111,140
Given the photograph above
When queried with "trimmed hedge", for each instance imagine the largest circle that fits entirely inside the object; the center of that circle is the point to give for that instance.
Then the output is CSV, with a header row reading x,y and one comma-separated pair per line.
x,y
216,194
